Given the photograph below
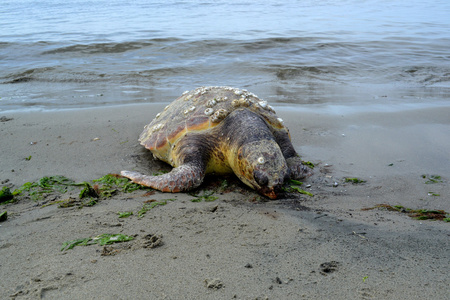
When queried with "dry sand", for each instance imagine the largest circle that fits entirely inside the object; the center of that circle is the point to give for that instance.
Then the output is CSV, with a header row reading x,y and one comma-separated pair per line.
x,y
237,247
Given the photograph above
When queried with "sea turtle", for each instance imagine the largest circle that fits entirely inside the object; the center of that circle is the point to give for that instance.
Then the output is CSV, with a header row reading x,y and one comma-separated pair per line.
x,y
220,130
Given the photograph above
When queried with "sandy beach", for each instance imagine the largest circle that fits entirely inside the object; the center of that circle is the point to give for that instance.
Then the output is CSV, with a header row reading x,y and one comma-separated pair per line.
x,y
336,244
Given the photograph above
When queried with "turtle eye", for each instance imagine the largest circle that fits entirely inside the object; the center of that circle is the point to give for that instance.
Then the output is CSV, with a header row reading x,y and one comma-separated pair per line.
x,y
261,178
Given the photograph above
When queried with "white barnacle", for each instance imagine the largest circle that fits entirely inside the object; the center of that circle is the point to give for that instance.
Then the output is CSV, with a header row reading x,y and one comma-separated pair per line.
x,y
244,102
263,104
238,92
167,107
211,103
188,110
270,108
219,115
280,120
209,111
188,97
261,160
157,127
185,92
158,115
235,103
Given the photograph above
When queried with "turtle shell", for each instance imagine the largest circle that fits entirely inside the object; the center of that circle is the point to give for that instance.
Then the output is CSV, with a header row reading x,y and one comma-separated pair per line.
x,y
199,111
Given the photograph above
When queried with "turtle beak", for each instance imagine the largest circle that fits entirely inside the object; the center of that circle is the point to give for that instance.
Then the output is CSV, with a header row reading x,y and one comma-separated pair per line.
x,y
271,195
269,192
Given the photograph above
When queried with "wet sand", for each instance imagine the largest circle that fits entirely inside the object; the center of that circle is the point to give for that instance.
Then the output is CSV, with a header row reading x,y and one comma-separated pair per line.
x,y
238,246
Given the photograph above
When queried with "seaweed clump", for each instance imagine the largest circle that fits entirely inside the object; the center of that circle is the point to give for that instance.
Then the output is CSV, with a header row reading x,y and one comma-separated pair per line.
x,y
89,192
419,214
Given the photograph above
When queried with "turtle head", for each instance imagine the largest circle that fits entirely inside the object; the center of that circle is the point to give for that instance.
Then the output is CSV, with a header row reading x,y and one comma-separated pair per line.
x,y
261,165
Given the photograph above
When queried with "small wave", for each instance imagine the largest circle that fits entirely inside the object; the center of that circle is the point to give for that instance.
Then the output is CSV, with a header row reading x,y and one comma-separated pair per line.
x,y
26,76
108,48
52,74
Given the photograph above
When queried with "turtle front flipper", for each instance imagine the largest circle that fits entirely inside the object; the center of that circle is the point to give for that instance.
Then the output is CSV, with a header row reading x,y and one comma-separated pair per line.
x,y
180,179
297,169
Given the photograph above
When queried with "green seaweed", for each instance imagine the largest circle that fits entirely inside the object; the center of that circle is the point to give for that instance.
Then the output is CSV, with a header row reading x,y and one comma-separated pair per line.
x,y
309,164
432,179
103,187
5,194
3,216
296,182
294,186
108,239
103,239
113,182
353,180
45,185
419,214
150,205
301,191
88,191
124,214
206,196
78,242
224,185
161,172
28,158
433,194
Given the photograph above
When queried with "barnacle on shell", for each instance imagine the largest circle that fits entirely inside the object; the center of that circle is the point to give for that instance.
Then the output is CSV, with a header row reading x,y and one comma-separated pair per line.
x,y
188,110
211,103
241,102
263,104
219,115
209,111
157,127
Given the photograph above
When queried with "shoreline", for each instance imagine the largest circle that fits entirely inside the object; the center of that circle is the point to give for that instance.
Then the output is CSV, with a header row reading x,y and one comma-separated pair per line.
x,y
321,246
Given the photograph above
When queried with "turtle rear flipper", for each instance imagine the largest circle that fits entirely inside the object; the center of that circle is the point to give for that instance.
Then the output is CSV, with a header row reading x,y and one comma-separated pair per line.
x,y
182,178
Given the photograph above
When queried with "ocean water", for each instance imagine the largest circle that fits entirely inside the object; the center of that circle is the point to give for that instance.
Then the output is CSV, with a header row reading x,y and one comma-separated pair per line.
x,y
68,54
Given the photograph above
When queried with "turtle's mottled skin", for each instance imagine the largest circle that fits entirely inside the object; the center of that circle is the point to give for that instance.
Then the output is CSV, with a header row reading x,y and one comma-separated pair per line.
x,y
220,130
